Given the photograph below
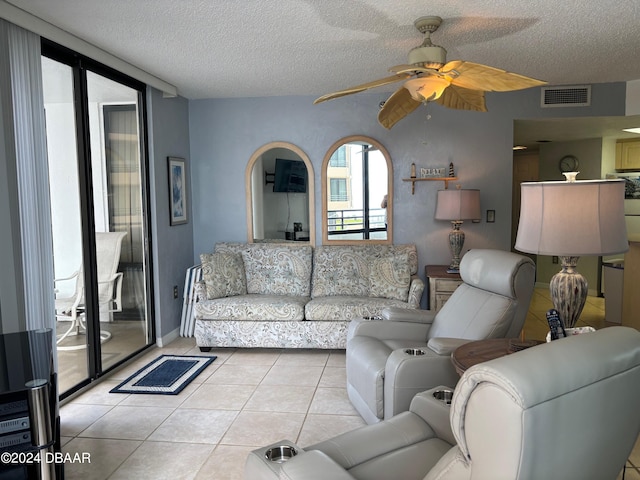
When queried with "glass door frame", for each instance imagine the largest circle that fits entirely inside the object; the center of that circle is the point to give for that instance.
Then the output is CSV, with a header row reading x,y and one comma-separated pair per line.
x,y
80,65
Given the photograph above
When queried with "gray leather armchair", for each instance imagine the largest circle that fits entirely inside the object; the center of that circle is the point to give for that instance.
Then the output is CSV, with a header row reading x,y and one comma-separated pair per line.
x,y
561,410
492,302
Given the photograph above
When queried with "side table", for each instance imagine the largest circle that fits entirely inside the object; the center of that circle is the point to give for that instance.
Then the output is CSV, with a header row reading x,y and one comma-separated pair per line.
x,y
479,351
440,285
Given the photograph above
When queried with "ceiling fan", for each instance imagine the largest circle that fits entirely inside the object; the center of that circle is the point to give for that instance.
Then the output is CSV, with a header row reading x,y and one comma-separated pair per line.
x,y
430,78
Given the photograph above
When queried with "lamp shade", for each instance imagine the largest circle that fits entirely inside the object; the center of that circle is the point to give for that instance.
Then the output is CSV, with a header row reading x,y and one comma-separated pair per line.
x,y
426,88
458,205
572,218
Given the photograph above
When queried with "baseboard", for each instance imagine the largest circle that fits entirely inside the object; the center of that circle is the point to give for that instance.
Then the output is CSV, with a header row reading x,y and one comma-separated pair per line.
x,y
168,338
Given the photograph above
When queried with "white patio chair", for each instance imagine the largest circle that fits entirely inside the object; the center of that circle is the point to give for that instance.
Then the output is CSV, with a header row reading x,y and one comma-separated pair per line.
x,y
72,308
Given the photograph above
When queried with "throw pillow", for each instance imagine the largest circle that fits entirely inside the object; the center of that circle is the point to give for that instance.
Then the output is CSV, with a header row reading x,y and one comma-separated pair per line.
x,y
223,274
390,277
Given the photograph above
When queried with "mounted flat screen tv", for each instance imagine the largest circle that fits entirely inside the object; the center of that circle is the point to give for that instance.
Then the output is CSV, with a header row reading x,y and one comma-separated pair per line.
x,y
290,176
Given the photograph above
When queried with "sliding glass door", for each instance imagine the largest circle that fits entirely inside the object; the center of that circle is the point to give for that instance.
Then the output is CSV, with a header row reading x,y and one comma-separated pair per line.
x,y
96,152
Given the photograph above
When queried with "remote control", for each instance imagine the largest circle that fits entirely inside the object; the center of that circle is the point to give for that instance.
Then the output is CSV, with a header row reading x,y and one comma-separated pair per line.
x,y
555,324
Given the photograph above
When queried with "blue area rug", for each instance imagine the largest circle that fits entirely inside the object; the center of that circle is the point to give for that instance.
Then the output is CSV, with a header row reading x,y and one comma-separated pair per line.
x,y
166,375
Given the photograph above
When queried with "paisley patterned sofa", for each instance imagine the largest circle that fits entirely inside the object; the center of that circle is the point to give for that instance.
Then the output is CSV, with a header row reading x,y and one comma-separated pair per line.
x,y
295,296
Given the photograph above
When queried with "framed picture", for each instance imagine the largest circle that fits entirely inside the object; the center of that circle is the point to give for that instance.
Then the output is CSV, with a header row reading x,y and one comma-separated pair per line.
x,y
177,191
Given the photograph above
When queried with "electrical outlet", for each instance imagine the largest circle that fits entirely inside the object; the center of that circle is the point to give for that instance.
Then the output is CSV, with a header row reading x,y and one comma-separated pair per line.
x,y
554,259
175,291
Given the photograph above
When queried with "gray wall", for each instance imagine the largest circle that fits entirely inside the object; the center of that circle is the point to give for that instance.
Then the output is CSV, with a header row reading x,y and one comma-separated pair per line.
x,y
168,136
225,132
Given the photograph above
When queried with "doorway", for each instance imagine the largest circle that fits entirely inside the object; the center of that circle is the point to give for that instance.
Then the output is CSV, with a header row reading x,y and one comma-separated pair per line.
x,y
96,147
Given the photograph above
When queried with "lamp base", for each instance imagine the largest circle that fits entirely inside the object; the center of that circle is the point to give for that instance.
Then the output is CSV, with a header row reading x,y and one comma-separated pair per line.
x,y
456,241
569,291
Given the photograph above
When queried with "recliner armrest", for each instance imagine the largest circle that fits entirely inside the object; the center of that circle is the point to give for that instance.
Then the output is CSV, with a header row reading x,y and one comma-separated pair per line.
x,y
313,465
435,413
387,329
445,346
408,315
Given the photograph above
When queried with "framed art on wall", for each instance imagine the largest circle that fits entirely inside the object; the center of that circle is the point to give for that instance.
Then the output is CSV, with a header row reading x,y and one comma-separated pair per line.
x,y
177,191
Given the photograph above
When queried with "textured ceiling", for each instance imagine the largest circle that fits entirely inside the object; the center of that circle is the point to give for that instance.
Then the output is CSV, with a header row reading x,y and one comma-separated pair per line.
x,y
230,48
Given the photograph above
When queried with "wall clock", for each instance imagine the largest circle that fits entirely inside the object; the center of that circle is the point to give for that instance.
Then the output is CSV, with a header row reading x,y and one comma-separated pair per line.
x,y
568,163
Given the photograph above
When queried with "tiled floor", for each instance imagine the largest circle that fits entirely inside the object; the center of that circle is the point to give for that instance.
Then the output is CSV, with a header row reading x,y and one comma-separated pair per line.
x,y
244,400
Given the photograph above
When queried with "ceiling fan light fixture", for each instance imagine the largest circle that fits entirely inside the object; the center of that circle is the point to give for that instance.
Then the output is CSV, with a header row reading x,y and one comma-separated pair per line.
x,y
426,88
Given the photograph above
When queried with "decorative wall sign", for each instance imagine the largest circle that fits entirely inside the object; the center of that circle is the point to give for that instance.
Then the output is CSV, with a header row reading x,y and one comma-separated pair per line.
x,y
435,172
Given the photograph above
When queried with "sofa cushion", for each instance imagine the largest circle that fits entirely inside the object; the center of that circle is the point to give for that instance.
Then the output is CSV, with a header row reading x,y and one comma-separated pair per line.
x,y
223,274
340,270
339,307
345,269
253,307
390,277
274,269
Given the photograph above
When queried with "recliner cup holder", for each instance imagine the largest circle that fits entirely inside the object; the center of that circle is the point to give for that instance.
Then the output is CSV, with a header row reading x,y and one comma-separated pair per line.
x,y
280,453
414,351
444,396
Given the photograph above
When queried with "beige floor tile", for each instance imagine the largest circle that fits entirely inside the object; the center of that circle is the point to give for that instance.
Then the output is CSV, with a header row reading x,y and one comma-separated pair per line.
x,y
332,401
225,463
164,460
333,377
222,354
194,426
238,375
293,375
106,455
125,372
64,440
318,428
263,428
99,394
337,358
76,417
259,356
219,397
126,422
281,398
307,358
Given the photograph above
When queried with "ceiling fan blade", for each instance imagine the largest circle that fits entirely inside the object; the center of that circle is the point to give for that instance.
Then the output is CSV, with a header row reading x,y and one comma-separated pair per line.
x,y
398,105
460,98
489,79
361,88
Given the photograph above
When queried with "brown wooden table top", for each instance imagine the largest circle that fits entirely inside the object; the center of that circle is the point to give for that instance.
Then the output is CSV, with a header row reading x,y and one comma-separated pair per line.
x,y
480,351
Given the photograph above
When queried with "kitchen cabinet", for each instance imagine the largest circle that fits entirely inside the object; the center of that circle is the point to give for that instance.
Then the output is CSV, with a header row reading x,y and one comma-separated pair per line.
x,y
628,155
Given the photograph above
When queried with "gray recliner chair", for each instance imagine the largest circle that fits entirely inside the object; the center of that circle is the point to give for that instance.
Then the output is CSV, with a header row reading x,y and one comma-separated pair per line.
x,y
561,410
492,302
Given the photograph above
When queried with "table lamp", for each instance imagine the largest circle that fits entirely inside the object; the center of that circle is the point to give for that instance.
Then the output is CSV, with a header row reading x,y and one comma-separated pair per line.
x,y
457,205
569,220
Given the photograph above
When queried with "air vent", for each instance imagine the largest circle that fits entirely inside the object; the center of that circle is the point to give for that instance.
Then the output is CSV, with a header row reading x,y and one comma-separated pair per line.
x,y
574,96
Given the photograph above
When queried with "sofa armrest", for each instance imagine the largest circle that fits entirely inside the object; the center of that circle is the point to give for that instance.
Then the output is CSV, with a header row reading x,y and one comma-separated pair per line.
x,y
445,346
435,413
416,288
313,465
397,314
